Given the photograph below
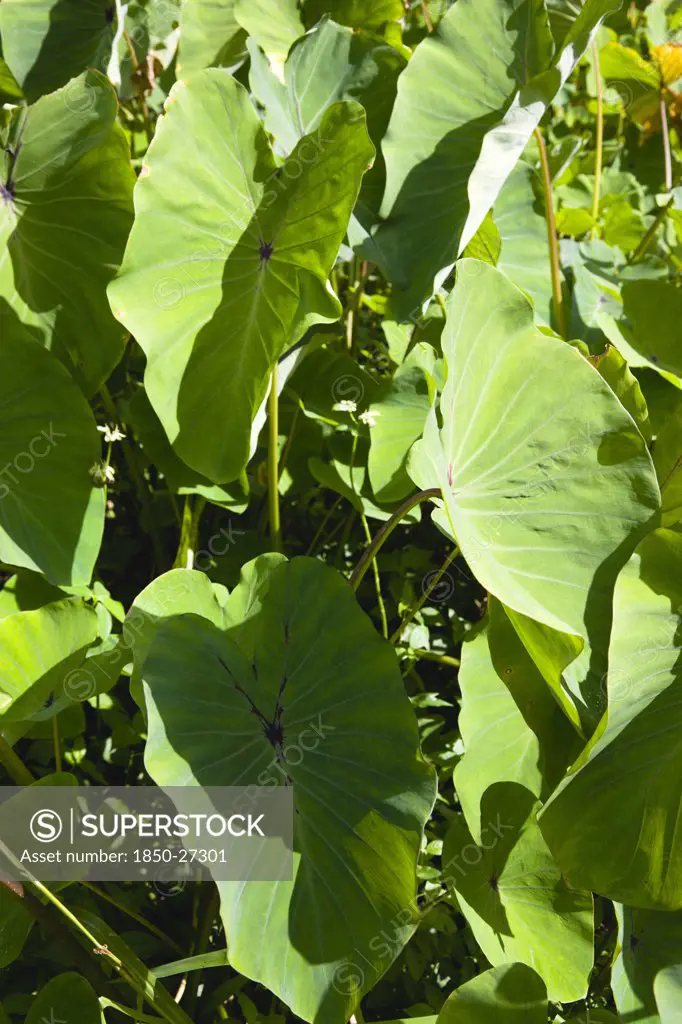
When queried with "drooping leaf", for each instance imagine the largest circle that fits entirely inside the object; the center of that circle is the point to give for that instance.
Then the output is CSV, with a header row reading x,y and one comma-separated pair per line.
x,y
617,374
401,414
668,992
330,63
668,463
524,252
275,25
613,824
249,270
512,994
467,105
38,651
513,895
15,926
310,658
65,214
209,35
66,997
48,42
51,518
658,341
649,942
512,728
634,81
524,482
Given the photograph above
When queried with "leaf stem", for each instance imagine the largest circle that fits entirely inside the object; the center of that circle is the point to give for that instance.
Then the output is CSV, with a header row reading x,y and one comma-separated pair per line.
x,y
15,767
599,161
442,659
555,266
273,465
426,594
427,15
386,530
649,236
189,532
57,744
667,154
377,580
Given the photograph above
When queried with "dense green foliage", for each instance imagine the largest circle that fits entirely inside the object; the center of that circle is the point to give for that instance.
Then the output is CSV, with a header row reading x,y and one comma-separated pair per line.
x,y
341,369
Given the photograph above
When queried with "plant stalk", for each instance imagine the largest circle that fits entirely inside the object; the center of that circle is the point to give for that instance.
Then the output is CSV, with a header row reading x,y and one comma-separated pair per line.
x,y
189,532
14,766
599,162
426,594
555,266
385,532
667,154
273,465
649,236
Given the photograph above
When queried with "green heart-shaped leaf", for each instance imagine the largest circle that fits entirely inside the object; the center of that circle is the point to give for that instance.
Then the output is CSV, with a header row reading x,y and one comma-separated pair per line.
x,y
247,274
544,496
297,696
612,825
51,518
65,214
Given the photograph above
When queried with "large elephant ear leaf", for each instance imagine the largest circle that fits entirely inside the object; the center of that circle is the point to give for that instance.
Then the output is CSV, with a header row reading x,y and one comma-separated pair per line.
x,y
65,214
47,42
512,994
250,265
634,855
526,481
66,997
467,105
321,678
209,35
51,517
650,945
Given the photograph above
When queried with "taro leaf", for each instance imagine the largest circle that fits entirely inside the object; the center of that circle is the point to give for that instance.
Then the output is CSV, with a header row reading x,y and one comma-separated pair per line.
x,y
66,997
10,91
355,13
668,463
512,727
467,105
39,652
48,42
329,64
310,660
15,927
177,592
625,386
526,473
524,256
657,339
612,824
209,34
486,243
51,518
401,412
511,994
248,273
632,79
668,992
513,895
650,941
275,25
65,213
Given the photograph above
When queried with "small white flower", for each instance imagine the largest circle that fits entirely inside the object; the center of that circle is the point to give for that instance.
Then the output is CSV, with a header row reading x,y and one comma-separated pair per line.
x,y
109,474
346,406
370,417
111,433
